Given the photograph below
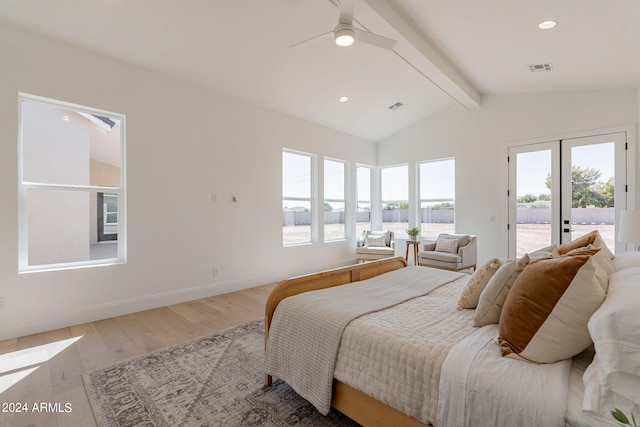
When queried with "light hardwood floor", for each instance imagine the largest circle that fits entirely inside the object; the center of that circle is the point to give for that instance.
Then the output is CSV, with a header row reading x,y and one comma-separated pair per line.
x,y
50,364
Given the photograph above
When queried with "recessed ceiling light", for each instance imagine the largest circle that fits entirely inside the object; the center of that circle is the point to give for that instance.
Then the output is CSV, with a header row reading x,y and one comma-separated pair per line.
x,y
343,99
547,25
66,118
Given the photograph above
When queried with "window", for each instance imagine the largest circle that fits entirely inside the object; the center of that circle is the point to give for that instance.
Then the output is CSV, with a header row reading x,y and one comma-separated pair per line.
x,y
334,183
363,199
297,190
71,164
394,186
107,217
437,197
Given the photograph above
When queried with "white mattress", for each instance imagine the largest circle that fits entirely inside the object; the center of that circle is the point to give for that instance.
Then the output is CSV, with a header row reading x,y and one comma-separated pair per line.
x,y
414,336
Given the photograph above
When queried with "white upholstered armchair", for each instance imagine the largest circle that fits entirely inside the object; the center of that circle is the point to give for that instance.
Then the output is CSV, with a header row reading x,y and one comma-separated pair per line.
x,y
450,252
375,245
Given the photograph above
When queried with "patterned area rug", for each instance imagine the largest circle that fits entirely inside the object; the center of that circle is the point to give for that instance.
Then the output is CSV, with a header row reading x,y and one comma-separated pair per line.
x,y
211,381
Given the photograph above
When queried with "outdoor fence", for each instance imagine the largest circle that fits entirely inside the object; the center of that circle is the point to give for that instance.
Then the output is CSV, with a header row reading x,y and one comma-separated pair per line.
x,y
304,217
446,216
438,216
578,216
296,218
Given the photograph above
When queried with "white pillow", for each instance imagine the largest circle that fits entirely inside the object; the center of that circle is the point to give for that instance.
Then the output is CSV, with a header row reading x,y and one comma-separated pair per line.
x,y
604,265
613,378
477,282
376,241
626,260
495,293
445,244
548,252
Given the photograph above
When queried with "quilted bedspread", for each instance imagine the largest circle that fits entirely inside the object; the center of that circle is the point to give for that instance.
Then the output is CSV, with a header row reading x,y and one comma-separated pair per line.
x,y
395,355
307,330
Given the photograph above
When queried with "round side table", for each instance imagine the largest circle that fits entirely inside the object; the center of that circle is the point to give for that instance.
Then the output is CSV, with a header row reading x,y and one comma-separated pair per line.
x,y
416,244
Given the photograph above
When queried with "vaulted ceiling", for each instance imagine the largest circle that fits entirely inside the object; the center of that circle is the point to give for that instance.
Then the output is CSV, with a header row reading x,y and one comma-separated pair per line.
x,y
448,52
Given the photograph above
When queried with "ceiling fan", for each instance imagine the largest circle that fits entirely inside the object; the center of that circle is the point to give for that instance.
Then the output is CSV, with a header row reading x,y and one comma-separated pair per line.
x,y
345,34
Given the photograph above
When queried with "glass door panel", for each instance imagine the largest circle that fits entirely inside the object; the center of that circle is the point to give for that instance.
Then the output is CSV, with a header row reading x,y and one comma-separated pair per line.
x,y
593,177
532,198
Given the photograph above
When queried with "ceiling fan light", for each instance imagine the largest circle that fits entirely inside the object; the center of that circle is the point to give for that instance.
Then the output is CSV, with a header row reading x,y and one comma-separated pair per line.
x,y
345,37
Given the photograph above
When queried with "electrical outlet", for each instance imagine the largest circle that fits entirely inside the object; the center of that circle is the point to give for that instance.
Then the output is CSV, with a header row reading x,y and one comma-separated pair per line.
x,y
215,271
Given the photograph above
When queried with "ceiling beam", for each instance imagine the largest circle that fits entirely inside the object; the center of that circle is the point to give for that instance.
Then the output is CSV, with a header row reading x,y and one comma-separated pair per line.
x,y
424,57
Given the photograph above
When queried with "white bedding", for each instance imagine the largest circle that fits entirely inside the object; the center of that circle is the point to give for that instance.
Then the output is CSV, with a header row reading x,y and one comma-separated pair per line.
x,y
307,329
576,417
479,387
426,359
395,355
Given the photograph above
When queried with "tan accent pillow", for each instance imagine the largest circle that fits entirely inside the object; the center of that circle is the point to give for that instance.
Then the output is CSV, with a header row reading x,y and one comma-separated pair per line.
x,y
545,315
477,282
599,243
580,242
493,296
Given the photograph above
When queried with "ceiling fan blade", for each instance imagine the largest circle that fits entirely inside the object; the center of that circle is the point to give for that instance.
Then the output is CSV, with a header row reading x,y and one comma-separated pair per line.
x,y
346,11
312,40
375,39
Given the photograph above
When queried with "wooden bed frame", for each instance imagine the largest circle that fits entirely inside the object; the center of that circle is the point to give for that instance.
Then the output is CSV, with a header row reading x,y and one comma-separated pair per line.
x,y
353,403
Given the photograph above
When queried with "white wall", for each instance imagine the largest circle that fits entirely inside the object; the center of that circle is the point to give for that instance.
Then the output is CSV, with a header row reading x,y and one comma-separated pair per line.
x,y
477,138
183,144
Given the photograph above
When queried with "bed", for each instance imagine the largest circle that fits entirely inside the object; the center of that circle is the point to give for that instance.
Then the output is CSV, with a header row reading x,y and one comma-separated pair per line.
x,y
421,359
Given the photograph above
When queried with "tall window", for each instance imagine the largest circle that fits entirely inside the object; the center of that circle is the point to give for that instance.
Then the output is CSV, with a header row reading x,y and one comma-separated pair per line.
x,y
71,163
363,199
297,199
437,197
334,184
394,184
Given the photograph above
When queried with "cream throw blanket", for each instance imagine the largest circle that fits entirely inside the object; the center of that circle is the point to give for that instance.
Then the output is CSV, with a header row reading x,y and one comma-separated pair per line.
x,y
306,329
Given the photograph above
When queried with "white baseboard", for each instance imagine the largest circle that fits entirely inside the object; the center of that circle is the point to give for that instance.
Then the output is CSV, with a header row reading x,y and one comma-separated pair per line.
x,y
133,305
122,307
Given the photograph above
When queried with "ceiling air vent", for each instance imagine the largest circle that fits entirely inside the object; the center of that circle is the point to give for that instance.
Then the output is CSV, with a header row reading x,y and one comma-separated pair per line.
x,y
540,67
396,106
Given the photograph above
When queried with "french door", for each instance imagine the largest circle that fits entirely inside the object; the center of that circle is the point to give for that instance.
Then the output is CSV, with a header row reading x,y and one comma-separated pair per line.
x,y
560,190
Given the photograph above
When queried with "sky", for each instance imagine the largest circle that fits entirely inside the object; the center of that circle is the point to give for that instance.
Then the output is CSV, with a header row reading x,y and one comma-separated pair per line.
x,y
533,167
437,178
